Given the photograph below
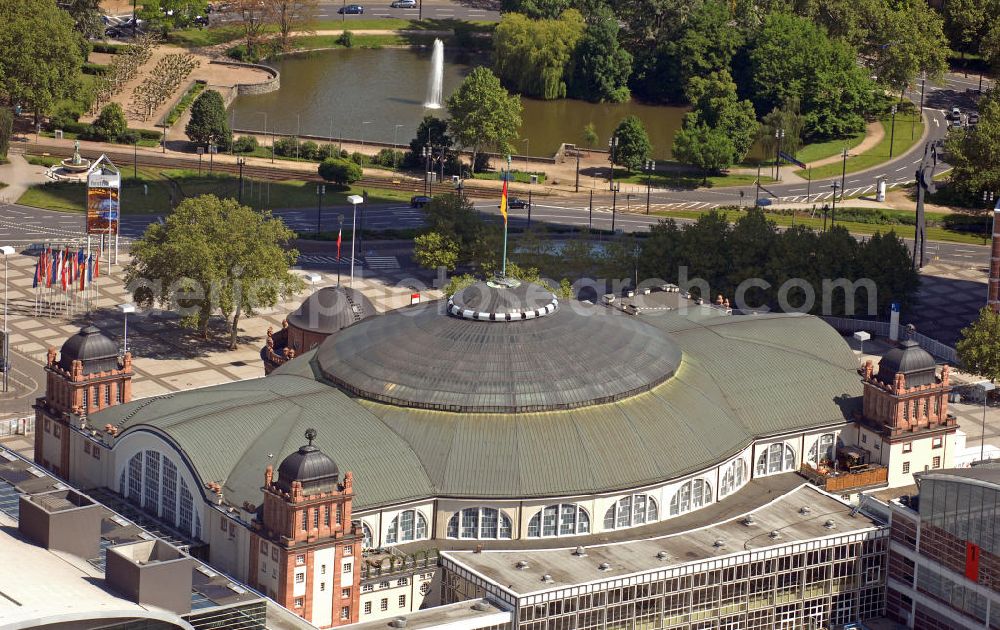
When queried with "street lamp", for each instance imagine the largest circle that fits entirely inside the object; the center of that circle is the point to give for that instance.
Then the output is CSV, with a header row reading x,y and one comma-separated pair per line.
x,y
833,215
240,162
987,387
649,166
126,308
779,135
6,250
892,134
612,145
264,114
320,191
426,152
354,201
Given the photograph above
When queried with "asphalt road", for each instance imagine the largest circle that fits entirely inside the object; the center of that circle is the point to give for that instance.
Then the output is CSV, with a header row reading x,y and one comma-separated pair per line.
x,y
22,225
466,10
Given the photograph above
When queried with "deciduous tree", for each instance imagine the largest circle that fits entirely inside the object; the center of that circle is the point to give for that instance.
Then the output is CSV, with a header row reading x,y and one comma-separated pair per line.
x,y
979,347
716,105
208,123
601,66
433,250
292,16
633,143
533,57
110,124
41,57
483,114
974,155
213,255
86,16
341,172
703,147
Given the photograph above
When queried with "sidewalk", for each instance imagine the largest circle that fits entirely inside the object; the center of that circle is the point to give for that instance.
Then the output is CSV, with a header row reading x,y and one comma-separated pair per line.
x,y
19,176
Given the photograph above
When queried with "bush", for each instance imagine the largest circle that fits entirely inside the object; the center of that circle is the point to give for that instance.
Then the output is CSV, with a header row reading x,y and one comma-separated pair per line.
x,y
346,39
482,163
340,172
110,123
308,150
148,134
64,117
245,144
344,154
388,158
111,49
129,137
286,147
95,69
359,158
326,151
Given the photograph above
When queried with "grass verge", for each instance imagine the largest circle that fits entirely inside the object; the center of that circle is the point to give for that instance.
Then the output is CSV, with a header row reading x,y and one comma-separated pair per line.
x,y
830,148
185,102
879,154
689,180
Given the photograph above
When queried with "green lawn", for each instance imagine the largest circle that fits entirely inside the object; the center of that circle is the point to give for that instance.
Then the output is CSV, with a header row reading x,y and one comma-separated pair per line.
x,y
821,150
518,176
878,154
196,37
161,186
816,222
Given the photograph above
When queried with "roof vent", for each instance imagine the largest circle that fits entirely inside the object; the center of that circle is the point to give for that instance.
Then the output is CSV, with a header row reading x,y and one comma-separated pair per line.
x,y
662,555
774,534
829,524
521,564
579,551
604,566
804,510
719,543
749,520
482,606
547,578
398,622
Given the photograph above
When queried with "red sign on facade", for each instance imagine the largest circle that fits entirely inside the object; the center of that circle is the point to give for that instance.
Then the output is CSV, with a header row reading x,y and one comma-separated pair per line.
x,y
972,561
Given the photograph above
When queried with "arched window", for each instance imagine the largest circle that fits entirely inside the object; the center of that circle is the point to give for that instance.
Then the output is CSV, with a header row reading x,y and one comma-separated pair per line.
x,y
366,536
822,449
151,482
559,520
479,522
408,525
777,458
691,496
630,511
733,477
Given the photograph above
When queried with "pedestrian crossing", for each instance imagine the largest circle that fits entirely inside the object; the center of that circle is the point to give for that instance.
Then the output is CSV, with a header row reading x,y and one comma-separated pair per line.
x,y
383,263
317,259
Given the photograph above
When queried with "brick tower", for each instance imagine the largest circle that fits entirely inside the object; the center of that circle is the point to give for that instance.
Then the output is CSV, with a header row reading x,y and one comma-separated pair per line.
x,y
88,375
304,551
906,407
994,295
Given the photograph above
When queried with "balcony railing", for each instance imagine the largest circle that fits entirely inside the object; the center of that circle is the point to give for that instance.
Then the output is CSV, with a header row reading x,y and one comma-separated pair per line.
x,y
839,482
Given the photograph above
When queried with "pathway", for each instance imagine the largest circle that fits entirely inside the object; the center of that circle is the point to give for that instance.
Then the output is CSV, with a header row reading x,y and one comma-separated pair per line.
x,y
19,176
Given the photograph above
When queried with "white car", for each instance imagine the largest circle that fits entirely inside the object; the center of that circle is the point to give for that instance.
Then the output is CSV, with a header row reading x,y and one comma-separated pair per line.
x,y
956,113
404,4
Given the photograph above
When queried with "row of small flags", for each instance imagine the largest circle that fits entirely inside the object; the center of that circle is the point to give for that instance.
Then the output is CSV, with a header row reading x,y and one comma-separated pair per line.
x,y
66,269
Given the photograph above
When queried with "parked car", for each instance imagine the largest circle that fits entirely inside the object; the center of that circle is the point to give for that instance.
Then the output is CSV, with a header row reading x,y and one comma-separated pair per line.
x,y
403,4
973,119
956,113
113,31
351,9
419,201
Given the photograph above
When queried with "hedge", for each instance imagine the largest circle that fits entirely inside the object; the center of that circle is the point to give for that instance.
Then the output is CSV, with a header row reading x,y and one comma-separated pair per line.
x,y
111,49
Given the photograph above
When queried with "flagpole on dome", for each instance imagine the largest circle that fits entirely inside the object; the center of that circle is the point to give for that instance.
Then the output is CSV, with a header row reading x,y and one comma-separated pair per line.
x,y
503,211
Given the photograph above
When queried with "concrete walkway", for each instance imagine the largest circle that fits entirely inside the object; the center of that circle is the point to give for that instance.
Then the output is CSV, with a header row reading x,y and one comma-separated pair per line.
x,y
19,176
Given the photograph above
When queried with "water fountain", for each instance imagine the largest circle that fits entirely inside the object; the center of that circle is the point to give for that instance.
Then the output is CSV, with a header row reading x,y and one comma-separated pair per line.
x,y
436,77
76,164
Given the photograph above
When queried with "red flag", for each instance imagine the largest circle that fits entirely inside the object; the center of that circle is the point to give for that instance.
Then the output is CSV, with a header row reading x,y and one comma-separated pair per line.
x,y
97,264
339,234
972,561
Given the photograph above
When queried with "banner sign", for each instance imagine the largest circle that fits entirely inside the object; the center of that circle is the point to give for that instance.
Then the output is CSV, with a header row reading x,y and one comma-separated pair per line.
x,y
790,159
103,208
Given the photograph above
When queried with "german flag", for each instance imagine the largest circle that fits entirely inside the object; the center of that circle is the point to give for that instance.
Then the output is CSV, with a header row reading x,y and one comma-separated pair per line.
x,y
503,201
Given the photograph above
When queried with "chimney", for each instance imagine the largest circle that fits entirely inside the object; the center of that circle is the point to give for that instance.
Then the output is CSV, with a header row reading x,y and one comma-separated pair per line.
x,y
994,295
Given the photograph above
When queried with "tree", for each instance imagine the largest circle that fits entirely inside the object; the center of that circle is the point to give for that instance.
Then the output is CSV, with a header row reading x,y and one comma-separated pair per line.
x,y
292,16
254,16
979,347
454,218
86,15
633,143
966,21
208,123
885,259
973,154
703,147
341,172
791,57
433,250
789,122
41,57
483,114
537,9
6,128
533,57
707,44
601,67
213,255
910,41
589,135
716,105
110,124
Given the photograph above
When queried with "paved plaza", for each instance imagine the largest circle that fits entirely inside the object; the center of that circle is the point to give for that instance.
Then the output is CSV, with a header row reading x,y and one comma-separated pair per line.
x,y
167,357
949,299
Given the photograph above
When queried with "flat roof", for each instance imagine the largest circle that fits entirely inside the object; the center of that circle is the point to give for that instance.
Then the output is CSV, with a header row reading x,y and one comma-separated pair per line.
x,y
565,568
473,613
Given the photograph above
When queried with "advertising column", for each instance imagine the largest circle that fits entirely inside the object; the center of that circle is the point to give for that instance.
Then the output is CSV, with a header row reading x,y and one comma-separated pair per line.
x,y
103,209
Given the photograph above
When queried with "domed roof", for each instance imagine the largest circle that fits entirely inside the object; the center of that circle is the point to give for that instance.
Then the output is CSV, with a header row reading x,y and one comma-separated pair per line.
x,y
910,360
483,361
92,348
330,309
310,466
